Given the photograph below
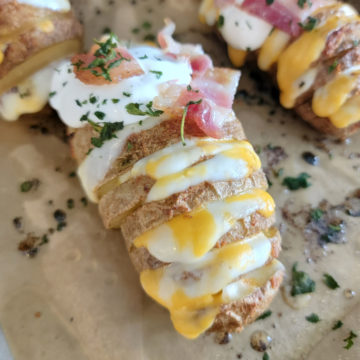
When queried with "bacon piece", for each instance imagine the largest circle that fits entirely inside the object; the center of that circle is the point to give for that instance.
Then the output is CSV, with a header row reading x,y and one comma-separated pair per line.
x,y
128,67
218,85
215,88
169,45
200,64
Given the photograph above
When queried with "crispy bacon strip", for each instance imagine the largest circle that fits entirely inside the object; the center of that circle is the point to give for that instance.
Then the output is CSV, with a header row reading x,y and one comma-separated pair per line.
x,y
125,66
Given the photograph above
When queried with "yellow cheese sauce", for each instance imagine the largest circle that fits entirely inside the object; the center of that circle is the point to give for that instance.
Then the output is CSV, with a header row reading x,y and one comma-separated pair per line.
x,y
295,63
329,98
189,236
178,167
193,293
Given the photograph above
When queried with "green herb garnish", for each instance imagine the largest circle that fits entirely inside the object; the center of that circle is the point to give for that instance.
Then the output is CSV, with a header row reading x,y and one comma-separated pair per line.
x,y
330,282
182,127
52,93
301,3
146,25
295,183
107,132
93,99
349,340
115,101
78,103
338,325
143,57
269,2
266,356
333,66
316,214
126,94
70,203
100,115
134,109
313,318
26,186
158,74
106,58
309,24
301,282
220,21
264,315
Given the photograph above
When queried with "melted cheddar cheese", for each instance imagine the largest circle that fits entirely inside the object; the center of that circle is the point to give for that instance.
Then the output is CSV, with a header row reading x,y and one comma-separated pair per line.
x,y
176,167
193,292
189,236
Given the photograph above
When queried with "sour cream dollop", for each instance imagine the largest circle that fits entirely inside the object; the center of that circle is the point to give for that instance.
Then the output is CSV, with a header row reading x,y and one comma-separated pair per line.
x,y
55,5
73,99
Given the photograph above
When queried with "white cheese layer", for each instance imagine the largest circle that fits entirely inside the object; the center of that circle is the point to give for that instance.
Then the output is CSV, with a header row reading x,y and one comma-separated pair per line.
x,y
28,97
55,5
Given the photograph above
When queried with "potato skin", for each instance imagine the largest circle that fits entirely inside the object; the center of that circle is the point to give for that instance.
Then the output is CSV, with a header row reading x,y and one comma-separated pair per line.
x,y
21,39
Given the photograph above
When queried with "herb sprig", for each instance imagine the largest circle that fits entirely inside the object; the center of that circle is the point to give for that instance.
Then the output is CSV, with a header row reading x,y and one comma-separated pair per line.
x,y
182,127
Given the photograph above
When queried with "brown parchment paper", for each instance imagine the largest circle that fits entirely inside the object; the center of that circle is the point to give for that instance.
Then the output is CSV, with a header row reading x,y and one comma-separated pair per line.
x,y
79,298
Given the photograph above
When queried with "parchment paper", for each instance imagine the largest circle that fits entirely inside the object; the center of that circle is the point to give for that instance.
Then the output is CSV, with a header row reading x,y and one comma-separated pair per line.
x,y
79,298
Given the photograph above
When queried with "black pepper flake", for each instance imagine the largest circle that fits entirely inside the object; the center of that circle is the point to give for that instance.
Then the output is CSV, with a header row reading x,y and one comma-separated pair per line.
x,y
70,203
60,217
310,158
18,223
84,201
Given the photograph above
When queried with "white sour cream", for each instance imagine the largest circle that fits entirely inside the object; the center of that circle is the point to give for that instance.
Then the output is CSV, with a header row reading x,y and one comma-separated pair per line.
x,y
242,30
56,5
28,97
69,92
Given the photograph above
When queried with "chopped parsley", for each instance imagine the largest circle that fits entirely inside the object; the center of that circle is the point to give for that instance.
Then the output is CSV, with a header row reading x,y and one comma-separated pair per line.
x,y
266,356
85,117
84,201
143,57
337,325
295,183
189,88
309,24
316,214
158,74
106,132
186,108
264,315
220,21
146,25
115,101
26,186
330,282
269,2
134,109
93,99
301,3
70,203
129,146
333,66
72,174
349,340
106,58
100,115
78,102
135,30
149,37
126,94
51,94
301,282
313,318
